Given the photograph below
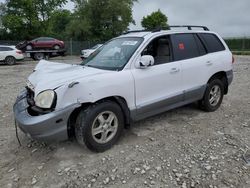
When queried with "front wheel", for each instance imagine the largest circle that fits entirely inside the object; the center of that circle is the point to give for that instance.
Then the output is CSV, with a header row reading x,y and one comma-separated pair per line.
x,y
213,96
99,126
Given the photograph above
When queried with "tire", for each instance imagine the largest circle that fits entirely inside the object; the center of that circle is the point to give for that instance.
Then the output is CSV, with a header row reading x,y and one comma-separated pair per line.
x,y
29,47
10,60
95,118
56,47
39,56
213,96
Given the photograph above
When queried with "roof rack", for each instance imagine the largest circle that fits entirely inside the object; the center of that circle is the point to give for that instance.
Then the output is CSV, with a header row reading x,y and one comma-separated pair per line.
x,y
189,27
157,29
137,31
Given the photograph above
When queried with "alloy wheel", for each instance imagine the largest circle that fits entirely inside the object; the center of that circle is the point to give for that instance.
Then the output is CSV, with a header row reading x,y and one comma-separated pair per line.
x,y
104,127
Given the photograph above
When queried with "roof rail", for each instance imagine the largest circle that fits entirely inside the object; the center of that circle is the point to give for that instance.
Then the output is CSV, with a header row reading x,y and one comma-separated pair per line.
x,y
157,29
189,27
136,31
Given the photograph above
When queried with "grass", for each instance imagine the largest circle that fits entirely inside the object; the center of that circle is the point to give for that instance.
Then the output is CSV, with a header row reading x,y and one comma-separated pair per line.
x,y
241,52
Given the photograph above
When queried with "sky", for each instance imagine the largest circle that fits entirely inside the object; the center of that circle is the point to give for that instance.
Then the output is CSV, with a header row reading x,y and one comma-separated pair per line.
x,y
230,18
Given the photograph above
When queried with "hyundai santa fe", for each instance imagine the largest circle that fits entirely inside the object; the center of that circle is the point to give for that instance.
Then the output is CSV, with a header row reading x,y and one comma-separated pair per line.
x,y
131,77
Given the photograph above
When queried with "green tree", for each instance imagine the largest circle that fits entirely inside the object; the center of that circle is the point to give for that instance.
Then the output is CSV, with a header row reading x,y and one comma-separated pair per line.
x,y
58,23
26,19
104,19
154,20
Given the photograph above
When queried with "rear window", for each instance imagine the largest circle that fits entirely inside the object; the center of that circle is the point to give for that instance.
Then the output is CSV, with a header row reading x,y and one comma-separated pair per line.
x,y
184,46
212,42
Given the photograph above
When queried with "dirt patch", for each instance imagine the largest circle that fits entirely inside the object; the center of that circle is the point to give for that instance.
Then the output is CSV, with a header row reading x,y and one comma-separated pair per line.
x,y
184,147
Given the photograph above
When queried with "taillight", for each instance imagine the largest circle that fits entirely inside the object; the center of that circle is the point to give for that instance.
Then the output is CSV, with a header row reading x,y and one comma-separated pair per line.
x,y
19,52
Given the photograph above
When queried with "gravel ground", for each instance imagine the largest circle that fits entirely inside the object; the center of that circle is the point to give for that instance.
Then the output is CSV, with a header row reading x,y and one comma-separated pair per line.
x,y
184,147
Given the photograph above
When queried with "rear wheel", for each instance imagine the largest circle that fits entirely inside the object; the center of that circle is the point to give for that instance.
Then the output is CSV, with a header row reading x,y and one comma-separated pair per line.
x,y
39,56
10,60
213,96
99,126
56,47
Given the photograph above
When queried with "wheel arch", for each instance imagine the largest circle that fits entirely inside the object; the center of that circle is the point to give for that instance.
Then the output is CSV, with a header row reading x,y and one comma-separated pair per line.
x,y
10,56
117,99
222,75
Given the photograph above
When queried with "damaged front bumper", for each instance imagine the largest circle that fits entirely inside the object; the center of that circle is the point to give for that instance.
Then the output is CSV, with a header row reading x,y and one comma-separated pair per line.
x,y
47,127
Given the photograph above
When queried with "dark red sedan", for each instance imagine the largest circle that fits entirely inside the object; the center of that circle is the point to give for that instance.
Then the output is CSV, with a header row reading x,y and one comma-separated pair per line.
x,y
45,43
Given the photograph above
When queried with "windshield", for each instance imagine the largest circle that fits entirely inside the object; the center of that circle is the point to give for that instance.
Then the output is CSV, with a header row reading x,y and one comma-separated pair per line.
x,y
115,54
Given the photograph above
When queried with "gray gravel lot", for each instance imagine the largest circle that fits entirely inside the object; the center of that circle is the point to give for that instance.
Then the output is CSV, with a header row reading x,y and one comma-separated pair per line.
x,y
184,147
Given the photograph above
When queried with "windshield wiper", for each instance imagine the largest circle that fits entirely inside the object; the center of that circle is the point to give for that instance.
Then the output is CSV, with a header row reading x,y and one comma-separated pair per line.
x,y
91,66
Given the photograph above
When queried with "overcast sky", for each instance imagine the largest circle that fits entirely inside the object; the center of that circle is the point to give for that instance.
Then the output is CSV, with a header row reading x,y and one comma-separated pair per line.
x,y
230,18
227,17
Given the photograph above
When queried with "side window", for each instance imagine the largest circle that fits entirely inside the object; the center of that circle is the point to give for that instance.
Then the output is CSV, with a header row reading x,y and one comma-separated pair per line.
x,y
8,49
48,39
5,49
44,39
159,48
200,45
184,46
212,42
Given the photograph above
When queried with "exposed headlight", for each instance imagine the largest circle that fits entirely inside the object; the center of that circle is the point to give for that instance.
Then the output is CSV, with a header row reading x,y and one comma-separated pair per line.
x,y
45,99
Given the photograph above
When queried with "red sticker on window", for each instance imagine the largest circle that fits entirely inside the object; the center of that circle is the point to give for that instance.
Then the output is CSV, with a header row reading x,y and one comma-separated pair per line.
x,y
181,46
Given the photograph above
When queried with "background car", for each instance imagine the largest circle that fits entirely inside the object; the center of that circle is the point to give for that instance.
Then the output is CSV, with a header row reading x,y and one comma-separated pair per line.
x,y
86,53
9,55
45,43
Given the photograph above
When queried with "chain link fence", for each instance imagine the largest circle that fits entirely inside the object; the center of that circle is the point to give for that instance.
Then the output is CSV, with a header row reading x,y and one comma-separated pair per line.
x,y
237,45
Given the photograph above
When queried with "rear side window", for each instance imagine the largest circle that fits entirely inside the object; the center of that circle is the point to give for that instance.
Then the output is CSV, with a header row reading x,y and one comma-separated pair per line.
x,y
5,49
212,42
184,46
200,45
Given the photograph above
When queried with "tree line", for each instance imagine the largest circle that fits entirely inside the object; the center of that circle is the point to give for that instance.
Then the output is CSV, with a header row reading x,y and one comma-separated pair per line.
x,y
92,20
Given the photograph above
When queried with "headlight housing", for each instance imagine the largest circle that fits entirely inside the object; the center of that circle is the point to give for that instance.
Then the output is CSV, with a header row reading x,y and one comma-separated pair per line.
x,y
46,99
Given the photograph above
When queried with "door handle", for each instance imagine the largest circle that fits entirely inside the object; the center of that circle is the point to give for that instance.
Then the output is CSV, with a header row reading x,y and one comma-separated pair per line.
x,y
174,70
209,63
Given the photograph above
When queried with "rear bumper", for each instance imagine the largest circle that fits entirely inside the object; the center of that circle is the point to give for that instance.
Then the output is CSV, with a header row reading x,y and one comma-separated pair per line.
x,y
49,127
19,57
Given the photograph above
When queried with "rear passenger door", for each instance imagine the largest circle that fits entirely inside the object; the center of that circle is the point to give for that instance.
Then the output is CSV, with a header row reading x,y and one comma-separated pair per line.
x,y
216,53
189,50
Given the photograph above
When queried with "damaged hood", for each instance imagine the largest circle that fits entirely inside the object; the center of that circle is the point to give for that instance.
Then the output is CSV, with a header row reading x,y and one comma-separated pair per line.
x,y
50,75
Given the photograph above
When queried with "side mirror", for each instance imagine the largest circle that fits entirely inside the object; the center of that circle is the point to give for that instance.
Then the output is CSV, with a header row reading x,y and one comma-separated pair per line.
x,y
145,61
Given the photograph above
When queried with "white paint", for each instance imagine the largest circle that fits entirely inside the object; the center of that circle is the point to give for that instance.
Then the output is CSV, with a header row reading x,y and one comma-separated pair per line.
x,y
137,86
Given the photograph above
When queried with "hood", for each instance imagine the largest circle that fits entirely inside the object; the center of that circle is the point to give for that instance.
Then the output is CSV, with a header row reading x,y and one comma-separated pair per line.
x,y
50,75
88,51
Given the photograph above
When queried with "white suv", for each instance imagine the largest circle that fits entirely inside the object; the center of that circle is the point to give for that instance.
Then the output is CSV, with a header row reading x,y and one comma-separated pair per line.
x,y
9,55
152,72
